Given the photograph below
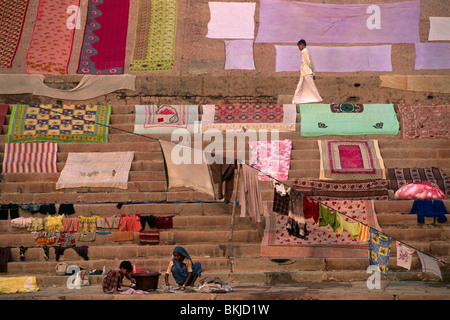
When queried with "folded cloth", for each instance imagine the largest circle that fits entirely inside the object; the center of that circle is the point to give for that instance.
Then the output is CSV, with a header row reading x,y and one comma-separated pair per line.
x,y
18,284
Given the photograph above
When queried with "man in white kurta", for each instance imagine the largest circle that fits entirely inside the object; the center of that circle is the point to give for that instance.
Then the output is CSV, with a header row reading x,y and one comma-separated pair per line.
x,y
306,91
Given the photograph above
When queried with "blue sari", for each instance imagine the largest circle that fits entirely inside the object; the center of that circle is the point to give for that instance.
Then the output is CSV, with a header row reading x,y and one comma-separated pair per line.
x,y
179,270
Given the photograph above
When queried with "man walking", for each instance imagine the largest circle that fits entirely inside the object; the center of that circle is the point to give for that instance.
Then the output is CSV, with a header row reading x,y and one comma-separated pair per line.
x,y
306,91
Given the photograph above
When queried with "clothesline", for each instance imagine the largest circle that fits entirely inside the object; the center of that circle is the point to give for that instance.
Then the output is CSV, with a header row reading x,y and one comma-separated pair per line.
x,y
324,205
242,162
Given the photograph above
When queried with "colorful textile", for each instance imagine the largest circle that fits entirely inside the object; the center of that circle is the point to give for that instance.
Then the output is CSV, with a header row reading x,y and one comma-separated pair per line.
x,y
155,35
379,250
12,18
419,190
96,169
18,284
186,167
55,123
272,158
164,118
105,37
336,59
31,157
364,232
239,55
249,116
346,160
347,119
399,177
424,121
66,239
429,264
320,239
404,255
439,29
51,44
54,223
149,237
130,223
356,23
231,20
432,56
322,190
88,224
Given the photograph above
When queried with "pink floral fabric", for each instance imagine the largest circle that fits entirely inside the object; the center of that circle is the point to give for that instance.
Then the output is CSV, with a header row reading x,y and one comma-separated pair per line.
x,y
272,158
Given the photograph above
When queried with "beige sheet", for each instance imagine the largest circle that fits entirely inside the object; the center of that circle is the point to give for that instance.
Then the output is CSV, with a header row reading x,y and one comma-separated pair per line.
x,y
433,83
99,169
187,174
89,87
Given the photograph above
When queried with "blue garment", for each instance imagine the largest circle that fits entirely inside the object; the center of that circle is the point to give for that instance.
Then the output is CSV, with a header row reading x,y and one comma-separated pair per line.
x,y
429,208
179,270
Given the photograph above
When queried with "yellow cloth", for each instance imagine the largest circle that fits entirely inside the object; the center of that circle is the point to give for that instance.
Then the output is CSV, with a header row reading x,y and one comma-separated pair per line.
x,y
87,223
54,223
433,83
350,227
18,284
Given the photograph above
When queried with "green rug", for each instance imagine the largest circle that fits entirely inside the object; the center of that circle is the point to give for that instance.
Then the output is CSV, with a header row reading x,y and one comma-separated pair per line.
x,y
56,123
155,34
347,119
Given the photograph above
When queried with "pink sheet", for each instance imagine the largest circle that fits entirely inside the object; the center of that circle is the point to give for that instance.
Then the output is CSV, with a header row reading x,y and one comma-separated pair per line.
x,y
289,21
105,36
51,43
271,157
432,56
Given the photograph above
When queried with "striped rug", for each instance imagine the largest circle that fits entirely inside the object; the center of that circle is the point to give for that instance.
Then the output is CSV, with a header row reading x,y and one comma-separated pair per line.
x,y
33,157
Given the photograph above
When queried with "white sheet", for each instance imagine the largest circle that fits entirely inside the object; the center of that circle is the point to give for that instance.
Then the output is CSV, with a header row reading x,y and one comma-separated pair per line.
x,y
231,20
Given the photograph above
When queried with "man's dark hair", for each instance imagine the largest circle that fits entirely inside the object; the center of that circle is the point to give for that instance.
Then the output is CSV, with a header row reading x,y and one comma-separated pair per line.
x,y
126,265
303,42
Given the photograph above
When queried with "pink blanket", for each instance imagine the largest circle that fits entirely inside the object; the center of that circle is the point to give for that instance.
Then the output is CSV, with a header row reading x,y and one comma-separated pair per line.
x,y
105,36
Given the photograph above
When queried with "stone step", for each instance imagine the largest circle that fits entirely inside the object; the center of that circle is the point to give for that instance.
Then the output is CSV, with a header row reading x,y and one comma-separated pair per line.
x,y
167,236
244,271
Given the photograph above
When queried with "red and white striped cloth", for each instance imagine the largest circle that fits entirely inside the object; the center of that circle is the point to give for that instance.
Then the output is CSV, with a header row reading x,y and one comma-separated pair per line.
x,y
32,157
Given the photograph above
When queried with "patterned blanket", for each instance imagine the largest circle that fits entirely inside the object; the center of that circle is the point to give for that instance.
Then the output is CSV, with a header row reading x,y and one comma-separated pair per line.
x,y
12,17
347,119
51,44
156,28
424,121
343,189
164,118
347,160
399,177
278,242
105,37
249,116
34,157
56,123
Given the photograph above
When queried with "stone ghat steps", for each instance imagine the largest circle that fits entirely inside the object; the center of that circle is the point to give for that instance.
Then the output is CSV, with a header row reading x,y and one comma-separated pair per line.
x,y
244,270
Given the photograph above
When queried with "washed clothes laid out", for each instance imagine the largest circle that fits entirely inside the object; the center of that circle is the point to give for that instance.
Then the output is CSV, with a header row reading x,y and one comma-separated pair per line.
x,y
429,208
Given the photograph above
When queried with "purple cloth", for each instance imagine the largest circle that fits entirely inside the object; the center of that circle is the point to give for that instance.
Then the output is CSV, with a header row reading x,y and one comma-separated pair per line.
x,y
239,54
289,21
432,56
336,59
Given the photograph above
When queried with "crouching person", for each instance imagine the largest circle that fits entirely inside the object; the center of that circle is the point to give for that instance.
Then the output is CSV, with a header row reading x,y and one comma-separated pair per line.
x,y
113,280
